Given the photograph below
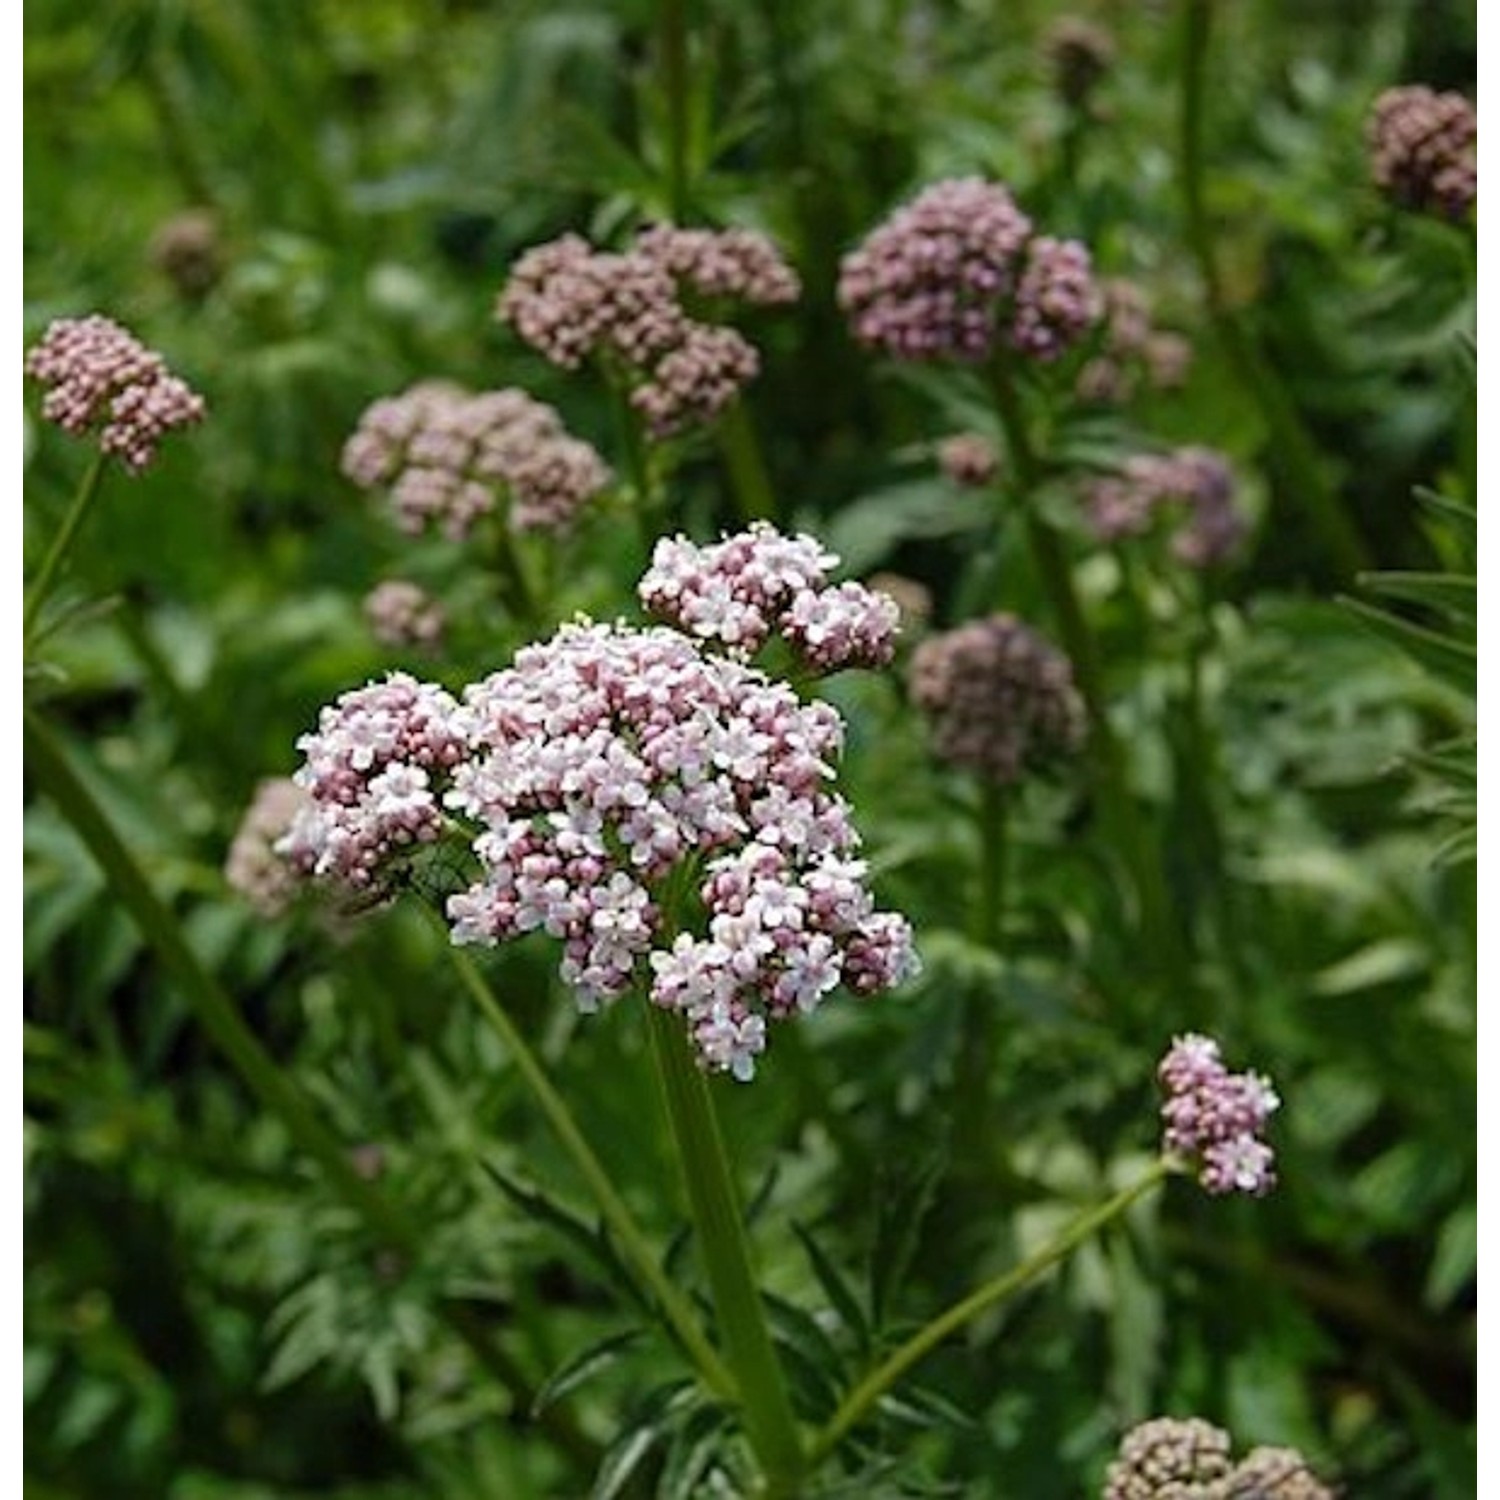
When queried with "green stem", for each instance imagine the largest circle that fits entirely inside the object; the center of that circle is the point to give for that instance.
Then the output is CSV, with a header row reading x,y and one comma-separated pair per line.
x,y
1294,448
741,449
42,585
518,593
216,1013
717,1216
674,77
883,1377
619,1218
1127,832
637,460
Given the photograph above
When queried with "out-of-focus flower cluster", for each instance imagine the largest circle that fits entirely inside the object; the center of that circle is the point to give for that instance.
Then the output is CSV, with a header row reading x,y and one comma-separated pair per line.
x,y
448,457
746,588
1195,485
401,613
253,867
370,770
664,810
968,459
188,249
100,376
1132,347
1080,53
999,697
1423,150
1170,1458
1213,1118
958,274
631,310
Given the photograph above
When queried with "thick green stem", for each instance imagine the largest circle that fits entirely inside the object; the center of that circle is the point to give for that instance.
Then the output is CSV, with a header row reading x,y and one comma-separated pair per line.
x,y
993,1292
47,762
1127,832
611,1206
1295,450
42,585
718,1219
746,464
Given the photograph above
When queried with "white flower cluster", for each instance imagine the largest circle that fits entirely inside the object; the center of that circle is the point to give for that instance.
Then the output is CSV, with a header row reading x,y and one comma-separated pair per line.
x,y
744,589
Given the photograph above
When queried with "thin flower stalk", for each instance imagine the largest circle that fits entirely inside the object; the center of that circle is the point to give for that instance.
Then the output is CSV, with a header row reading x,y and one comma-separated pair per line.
x,y
880,1380
719,1221
611,1206
48,763
46,578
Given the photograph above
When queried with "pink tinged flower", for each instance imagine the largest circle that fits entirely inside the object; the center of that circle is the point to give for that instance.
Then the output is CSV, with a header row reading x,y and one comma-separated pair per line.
x,y
1423,150
1214,1118
267,880
1194,487
101,379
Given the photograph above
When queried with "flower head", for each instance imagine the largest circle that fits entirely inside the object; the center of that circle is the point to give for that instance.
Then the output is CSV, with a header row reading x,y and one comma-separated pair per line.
x,y
629,309
101,377
746,588
1272,1474
956,274
968,459
1194,484
1080,54
402,613
999,697
1132,346
1169,1458
1422,150
266,879
447,456
1214,1118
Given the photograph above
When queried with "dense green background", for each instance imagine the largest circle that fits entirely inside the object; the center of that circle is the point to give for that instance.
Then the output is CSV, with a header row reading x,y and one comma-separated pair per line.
x,y
203,1320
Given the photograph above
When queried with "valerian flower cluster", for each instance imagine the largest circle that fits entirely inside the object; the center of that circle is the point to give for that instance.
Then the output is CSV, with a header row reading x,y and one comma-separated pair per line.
x,y
1213,1118
645,796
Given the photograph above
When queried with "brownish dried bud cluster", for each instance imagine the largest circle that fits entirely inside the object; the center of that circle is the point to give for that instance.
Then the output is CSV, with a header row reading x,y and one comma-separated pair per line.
x,y
1423,148
968,459
575,303
448,456
189,251
1080,53
999,697
252,867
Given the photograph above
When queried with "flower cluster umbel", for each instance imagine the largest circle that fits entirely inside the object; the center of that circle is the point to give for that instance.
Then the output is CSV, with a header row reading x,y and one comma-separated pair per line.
x,y
957,274
1423,148
100,376
630,310
1214,1118
746,588
1186,1458
1195,485
447,456
663,809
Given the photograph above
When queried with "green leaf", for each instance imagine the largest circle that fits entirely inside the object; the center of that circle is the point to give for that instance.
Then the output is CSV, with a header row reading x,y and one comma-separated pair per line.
x,y
582,1367
1382,962
1452,662
835,1287
869,530
1454,1258
1450,593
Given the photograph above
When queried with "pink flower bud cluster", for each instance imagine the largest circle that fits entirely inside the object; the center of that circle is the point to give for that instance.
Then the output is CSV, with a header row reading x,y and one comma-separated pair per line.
x,y
1423,148
448,457
253,867
1167,1457
1170,1458
401,613
1132,346
610,765
1194,483
1080,54
370,771
100,376
1214,1118
758,583
574,303
968,459
956,274
1000,698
